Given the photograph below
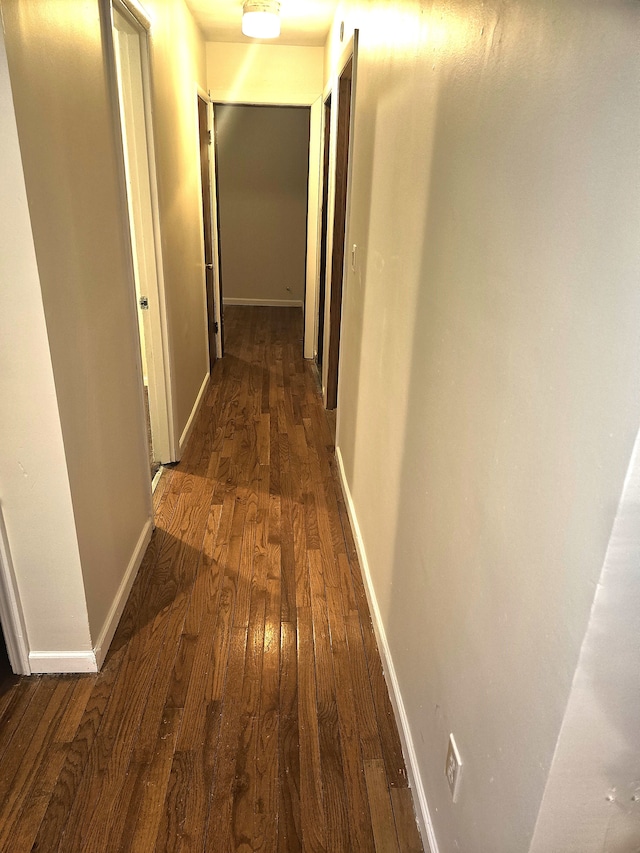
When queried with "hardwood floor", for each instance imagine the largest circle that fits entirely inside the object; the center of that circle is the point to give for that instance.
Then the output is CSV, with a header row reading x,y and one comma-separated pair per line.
x,y
242,705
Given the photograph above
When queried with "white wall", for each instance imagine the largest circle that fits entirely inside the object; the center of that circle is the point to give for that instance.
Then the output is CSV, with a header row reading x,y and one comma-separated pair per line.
x,y
264,73
489,391
35,498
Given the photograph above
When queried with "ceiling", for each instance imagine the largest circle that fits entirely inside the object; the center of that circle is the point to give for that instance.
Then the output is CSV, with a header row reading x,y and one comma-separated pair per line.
x,y
303,22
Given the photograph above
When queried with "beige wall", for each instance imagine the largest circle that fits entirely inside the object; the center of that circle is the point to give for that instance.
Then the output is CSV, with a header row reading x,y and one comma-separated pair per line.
x,y
35,498
64,97
489,390
263,164
178,67
264,73
72,172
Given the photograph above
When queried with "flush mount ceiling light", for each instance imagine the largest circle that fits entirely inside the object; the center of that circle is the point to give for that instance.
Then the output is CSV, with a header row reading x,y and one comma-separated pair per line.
x,y
261,19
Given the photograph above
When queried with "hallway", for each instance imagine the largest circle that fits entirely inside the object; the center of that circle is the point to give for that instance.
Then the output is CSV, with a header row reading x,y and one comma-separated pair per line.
x,y
242,705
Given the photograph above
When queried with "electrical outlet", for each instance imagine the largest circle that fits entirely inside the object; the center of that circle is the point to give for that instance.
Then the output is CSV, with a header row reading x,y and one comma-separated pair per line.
x,y
453,768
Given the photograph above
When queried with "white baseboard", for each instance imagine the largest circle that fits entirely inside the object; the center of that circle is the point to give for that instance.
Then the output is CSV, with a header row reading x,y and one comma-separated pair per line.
x,y
115,611
62,662
265,303
156,479
91,661
408,749
184,438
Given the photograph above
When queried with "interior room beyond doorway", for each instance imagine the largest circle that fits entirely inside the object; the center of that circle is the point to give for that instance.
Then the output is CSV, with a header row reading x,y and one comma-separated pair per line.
x,y
262,155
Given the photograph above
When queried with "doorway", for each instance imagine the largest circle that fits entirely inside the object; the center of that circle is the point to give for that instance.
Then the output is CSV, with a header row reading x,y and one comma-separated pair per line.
x,y
339,226
262,157
132,71
322,284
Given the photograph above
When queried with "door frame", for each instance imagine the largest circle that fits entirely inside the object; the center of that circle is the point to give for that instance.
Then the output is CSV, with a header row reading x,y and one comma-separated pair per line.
x,y
213,210
161,390
215,225
312,274
331,342
324,233
314,225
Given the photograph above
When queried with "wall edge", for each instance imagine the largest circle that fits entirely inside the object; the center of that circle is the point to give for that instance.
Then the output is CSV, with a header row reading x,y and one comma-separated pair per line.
x,y
117,606
423,815
184,438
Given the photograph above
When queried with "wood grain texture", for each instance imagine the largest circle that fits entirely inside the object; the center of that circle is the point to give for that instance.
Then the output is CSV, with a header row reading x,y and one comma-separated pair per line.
x,y
384,831
405,819
242,705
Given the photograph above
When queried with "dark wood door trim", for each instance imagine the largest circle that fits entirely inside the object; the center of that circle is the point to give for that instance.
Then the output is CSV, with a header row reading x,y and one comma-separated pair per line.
x,y
339,226
323,233
216,191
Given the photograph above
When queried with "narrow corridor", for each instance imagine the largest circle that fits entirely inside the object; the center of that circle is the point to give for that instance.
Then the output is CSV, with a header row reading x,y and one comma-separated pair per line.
x,y
242,705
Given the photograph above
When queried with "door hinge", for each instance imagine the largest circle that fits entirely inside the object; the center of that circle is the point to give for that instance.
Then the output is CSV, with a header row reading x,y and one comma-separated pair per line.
x,y
144,303
209,135
215,328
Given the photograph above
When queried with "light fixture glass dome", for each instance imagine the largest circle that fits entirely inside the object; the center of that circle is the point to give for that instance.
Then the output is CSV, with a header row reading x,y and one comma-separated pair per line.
x,y
261,19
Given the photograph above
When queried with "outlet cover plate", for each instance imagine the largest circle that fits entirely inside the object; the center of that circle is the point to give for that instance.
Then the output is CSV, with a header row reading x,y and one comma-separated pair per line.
x,y
453,768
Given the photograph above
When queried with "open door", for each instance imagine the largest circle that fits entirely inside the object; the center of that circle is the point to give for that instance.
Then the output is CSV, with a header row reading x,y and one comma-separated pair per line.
x,y
339,227
132,68
210,255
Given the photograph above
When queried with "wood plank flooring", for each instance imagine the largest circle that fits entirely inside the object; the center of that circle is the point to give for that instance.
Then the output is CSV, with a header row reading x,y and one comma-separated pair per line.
x,y
242,706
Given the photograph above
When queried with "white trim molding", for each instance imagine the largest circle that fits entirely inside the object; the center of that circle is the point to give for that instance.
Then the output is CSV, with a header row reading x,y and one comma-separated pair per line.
x,y
265,303
134,10
184,438
408,749
52,663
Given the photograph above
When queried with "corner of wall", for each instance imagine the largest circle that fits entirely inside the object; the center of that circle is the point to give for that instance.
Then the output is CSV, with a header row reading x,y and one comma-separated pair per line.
x,y
41,539
186,433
